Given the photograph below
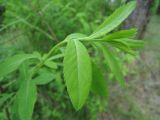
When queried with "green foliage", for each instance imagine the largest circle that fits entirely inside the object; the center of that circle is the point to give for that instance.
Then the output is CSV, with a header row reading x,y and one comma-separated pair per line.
x,y
113,64
26,99
51,64
77,66
121,34
114,20
44,77
5,97
155,6
26,96
12,63
77,72
99,84
47,22
132,44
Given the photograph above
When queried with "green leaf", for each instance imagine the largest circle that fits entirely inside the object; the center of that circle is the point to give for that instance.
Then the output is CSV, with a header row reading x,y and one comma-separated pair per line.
x,y
114,20
134,44
59,83
122,46
1,78
12,63
75,36
99,84
23,74
77,72
23,71
112,63
4,97
44,78
14,110
121,34
51,64
26,98
37,54
56,57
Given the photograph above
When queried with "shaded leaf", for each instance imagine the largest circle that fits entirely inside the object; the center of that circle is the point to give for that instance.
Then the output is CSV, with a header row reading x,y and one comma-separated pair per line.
x,y
26,99
12,63
99,84
44,78
112,63
134,44
14,110
23,70
4,97
122,46
121,34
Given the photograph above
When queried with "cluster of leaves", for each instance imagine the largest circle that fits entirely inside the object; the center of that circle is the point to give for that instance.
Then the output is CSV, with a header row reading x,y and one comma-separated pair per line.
x,y
81,71
63,17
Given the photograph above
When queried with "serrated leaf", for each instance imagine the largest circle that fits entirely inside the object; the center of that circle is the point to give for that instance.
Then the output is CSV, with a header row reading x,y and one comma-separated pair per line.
x,y
26,98
112,63
44,78
121,34
77,72
114,20
12,63
99,84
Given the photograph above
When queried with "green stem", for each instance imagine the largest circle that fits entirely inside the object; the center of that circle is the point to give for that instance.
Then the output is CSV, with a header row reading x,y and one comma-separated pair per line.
x,y
39,65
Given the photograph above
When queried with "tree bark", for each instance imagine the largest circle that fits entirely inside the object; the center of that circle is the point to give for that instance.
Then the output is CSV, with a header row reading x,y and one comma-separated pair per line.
x,y
140,17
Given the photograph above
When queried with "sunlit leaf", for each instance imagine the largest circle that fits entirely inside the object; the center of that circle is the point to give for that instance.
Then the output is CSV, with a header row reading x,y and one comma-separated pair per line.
x,y
75,36
77,72
51,64
56,56
114,20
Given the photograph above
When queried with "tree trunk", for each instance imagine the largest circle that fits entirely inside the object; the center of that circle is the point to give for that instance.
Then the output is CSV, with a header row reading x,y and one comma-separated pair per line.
x,y
140,17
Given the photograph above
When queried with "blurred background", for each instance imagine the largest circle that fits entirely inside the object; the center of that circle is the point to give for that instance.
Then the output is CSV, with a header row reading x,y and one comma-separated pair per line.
x,y
37,25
